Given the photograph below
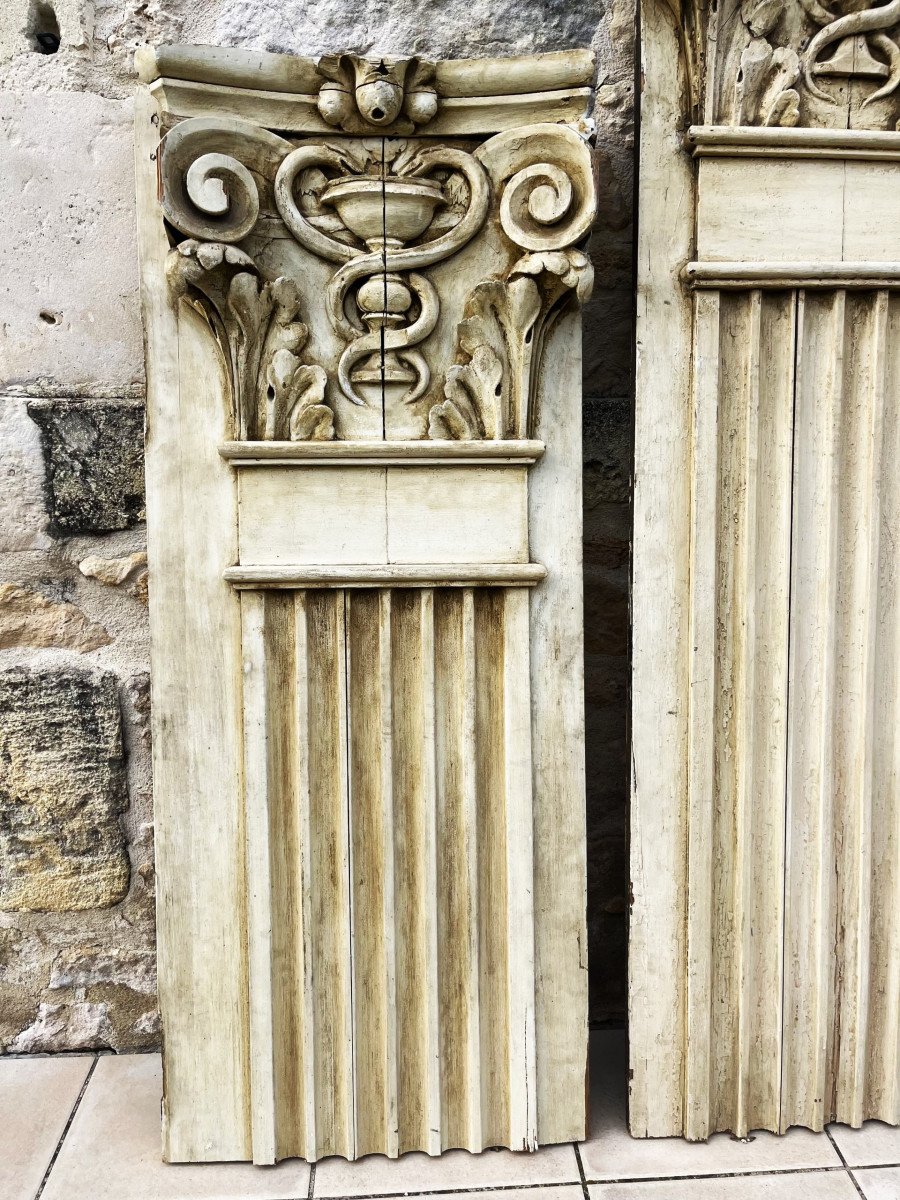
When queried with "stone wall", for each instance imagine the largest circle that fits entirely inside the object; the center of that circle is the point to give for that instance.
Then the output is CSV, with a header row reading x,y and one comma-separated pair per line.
x,y
76,852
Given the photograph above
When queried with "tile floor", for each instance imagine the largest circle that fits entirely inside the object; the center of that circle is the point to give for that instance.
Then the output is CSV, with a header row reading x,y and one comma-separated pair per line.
x,y
86,1127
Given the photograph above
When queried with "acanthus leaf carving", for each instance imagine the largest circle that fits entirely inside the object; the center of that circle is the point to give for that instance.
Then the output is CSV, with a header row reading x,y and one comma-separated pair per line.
x,y
384,211
781,74
293,402
472,406
297,394
546,208
764,91
490,394
254,323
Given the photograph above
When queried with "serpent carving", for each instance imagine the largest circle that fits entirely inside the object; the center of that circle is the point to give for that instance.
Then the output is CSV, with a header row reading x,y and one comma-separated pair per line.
x,y
871,23
386,260
383,213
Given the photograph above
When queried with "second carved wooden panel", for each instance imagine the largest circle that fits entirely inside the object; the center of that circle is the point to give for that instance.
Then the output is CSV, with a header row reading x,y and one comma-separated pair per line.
x,y
792,998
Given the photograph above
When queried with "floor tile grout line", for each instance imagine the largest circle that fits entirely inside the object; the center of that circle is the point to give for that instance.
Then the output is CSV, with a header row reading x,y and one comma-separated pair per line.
x,y
840,1155
584,1186
754,1174
841,1168
450,1191
837,1168
68,1125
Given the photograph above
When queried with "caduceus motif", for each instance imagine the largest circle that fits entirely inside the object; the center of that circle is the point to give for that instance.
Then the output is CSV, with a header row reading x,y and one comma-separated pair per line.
x,y
869,24
386,206
361,206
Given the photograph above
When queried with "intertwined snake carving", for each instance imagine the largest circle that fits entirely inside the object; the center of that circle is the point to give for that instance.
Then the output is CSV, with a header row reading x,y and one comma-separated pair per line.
x,y
871,23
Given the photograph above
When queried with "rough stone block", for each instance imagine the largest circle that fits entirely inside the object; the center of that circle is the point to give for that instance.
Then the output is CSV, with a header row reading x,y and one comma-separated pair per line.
x,y
447,29
62,789
69,311
78,1026
29,619
94,459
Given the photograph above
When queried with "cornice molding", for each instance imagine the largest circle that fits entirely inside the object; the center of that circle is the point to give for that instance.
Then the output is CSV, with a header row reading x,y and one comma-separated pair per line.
x,y
307,95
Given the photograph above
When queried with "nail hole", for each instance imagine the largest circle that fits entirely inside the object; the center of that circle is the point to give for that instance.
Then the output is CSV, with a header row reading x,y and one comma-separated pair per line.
x,y
498,389
528,336
44,28
48,317
270,392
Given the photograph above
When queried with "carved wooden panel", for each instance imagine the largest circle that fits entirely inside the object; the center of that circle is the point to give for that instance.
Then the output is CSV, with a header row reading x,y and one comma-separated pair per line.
x,y
765,942
361,288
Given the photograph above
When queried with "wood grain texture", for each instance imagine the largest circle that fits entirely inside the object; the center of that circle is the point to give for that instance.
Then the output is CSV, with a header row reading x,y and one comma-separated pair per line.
x,y
391,402
391,914
195,634
378,515
791,982
556,626
660,594
790,411
382,452
459,116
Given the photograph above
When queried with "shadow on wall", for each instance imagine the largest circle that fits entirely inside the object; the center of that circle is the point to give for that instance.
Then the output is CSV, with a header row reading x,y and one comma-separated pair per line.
x,y
608,352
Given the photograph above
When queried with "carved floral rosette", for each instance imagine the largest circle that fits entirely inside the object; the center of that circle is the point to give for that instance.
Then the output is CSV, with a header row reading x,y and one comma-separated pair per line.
x,y
415,281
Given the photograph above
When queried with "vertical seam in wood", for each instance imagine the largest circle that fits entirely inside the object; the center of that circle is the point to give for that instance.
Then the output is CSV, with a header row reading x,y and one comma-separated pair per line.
x,y
874,436
825,908
701,719
384,286
342,606
389,898
520,868
259,877
797,303
430,889
470,819
307,882
746,737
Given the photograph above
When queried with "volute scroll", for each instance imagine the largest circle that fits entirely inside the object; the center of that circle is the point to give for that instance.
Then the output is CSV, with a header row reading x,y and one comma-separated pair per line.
x,y
385,212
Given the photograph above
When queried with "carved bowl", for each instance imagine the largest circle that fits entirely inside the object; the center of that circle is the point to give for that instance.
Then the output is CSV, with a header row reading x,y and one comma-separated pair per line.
x,y
404,212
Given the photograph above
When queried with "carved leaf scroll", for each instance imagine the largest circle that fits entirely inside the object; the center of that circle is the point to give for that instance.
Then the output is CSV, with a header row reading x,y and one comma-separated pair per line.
x,y
383,211
207,166
297,411
764,92
255,323
545,207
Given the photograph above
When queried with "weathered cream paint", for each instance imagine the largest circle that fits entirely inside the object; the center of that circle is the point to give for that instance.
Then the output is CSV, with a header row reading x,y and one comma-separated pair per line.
x,y
370,791
765,941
